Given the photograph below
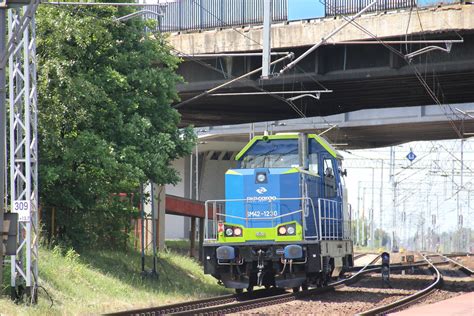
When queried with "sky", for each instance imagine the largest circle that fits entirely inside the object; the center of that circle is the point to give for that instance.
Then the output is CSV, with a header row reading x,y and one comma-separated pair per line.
x,y
428,186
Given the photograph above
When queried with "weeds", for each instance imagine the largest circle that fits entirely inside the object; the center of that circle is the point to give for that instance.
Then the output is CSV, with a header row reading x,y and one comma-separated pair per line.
x,y
94,282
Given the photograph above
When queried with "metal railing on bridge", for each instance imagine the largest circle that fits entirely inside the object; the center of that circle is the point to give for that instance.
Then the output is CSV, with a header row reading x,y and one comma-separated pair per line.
x,y
345,7
193,15
186,15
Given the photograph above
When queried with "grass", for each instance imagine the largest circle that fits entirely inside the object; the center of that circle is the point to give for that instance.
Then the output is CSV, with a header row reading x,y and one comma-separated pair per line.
x,y
105,281
180,246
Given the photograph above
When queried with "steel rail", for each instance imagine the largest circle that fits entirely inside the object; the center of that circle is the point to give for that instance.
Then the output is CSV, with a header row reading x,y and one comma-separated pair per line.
x,y
278,299
360,255
460,266
411,298
193,305
216,305
173,308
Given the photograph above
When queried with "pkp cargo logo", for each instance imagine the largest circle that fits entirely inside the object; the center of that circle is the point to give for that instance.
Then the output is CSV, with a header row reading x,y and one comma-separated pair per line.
x,y
261,190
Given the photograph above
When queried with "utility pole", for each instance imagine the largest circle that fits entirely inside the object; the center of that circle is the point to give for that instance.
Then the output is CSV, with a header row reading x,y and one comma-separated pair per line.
x,y
23,153
372,244
381,201
364,230
358,215
394,192
460,190
267,34
3,130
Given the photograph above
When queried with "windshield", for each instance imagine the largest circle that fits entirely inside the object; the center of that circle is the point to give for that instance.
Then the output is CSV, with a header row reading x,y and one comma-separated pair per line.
x,y
270,160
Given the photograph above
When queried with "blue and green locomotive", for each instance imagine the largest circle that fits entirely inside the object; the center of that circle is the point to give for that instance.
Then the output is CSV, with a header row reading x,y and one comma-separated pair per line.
x,y
285,220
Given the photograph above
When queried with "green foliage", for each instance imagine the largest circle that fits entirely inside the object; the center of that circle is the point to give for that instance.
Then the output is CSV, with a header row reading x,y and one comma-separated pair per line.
x,y
105,281
105,121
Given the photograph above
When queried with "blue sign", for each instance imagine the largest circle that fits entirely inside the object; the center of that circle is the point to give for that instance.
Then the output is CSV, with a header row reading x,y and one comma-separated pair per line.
x,y
411,156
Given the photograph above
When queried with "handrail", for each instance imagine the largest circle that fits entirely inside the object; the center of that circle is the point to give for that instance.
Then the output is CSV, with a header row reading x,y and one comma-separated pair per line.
x,y
252,201
261,219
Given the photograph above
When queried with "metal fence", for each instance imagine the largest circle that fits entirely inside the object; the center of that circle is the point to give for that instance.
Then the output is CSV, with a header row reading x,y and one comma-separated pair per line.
x,y
208,14
184,15
344,7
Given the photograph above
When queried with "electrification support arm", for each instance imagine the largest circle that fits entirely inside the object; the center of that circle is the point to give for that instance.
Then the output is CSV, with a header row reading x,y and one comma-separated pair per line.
x,y
324,39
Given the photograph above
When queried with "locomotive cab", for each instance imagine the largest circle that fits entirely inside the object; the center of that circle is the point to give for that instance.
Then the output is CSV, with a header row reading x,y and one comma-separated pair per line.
x,y
285,220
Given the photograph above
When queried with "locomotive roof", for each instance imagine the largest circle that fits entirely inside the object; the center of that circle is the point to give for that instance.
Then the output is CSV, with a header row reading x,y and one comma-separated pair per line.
x,y
321,140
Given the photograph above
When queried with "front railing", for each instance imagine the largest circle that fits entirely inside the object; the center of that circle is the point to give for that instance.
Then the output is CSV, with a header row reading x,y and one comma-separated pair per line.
x,y
215,211
334,222
329,221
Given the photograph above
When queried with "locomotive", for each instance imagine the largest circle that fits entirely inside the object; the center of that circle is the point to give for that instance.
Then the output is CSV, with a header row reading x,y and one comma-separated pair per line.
x,y
285,220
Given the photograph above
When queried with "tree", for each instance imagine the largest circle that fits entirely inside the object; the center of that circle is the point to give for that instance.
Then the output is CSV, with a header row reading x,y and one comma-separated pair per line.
x,y
105,121
382,238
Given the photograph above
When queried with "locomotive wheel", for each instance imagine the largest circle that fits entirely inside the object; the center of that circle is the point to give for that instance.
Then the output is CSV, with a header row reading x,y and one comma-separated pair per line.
x,y
296,289
250,289
239,291
304,286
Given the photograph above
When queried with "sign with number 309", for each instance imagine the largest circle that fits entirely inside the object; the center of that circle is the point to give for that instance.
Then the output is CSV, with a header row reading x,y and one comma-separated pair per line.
x,y
23,208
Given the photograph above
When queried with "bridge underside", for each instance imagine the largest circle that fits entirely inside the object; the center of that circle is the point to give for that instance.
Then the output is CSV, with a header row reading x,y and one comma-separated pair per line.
x,y
360,129
360,76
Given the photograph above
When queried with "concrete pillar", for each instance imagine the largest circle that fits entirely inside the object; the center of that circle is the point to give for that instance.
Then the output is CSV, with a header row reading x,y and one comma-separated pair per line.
x,y
160,212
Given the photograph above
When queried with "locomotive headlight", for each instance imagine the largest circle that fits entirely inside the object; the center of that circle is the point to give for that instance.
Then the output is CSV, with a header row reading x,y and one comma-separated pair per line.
x,y
291,230
237,231
282,230
261,177
229,231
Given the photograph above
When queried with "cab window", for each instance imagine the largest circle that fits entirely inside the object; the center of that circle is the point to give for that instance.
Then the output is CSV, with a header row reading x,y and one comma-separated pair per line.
x,y
330,189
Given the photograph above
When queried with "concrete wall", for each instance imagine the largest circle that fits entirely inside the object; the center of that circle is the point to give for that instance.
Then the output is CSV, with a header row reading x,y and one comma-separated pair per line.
x,y
212,182
296,34
177,227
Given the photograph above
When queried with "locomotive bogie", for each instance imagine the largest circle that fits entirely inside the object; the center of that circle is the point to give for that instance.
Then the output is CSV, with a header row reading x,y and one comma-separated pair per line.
x,y
310,264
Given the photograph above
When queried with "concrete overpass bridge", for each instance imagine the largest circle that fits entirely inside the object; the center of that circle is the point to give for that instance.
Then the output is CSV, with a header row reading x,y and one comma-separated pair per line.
x,y
361,75
367,128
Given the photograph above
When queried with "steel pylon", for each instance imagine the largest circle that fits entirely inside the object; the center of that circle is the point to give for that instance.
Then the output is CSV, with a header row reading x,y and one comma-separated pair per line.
x,y
23,150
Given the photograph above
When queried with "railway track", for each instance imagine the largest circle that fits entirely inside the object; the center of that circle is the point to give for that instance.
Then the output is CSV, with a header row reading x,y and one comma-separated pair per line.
x,y
411,298
239,303
198,304
235,303
279,299
437,282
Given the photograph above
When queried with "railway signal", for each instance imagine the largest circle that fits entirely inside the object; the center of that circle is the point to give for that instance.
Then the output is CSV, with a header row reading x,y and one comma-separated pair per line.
x,y
386,268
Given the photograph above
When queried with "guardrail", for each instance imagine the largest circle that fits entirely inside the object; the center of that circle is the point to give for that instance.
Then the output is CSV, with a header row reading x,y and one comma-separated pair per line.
x,y
345,7
184,15
187,15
